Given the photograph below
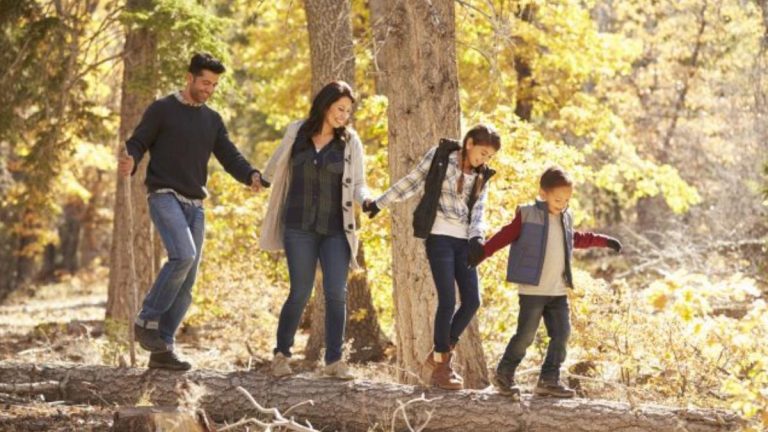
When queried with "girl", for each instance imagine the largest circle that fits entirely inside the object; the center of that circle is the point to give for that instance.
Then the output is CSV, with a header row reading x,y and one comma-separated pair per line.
x,y
317,171
542,239
450,217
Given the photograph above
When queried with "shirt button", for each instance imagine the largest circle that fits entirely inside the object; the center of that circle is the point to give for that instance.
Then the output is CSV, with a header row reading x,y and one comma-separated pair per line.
x,y
349,203
348,180
349,226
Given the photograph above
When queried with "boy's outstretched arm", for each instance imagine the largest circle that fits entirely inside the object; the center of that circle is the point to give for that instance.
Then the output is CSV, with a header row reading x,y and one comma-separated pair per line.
x,y
586,240
504,237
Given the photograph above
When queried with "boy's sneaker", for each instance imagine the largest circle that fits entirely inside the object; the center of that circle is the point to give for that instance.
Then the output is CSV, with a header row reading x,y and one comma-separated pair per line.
x,y
553,388
280,366
338,370
149,338
168,360
505,383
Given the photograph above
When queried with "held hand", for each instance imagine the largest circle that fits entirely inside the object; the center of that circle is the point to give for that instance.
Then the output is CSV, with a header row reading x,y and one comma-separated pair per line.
x,y
476,252
615,245
256,182
125,164
370,207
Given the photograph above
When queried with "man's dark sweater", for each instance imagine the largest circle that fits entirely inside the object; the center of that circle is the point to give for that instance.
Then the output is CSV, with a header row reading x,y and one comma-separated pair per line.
x,y
180,139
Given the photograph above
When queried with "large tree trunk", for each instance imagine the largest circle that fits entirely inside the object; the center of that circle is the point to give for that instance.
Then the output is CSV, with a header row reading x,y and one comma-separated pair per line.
x,y
422,88
137,93
330,42
332,55
356,406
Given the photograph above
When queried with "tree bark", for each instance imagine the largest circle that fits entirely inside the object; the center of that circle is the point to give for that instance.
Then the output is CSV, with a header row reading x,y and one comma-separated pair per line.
x,y
368,341
332,56
330,42
150,419
422,88
137,93
359,405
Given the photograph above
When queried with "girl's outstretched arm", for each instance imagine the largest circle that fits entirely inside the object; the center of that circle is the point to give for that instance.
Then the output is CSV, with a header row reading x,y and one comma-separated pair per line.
x,y
408,185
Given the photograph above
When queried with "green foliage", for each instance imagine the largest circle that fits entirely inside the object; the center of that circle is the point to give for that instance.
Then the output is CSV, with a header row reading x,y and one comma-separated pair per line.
x,y
46,109
181,28
571,62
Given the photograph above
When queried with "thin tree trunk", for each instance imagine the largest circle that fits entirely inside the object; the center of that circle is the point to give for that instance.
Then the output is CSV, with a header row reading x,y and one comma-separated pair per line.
x,y
422,89
360,405
524,95
91,246
378,18
759,70
651,209
332,55
137,93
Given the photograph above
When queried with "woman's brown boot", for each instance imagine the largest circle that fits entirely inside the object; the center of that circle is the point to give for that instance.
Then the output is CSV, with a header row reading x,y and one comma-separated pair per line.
x,y
443,375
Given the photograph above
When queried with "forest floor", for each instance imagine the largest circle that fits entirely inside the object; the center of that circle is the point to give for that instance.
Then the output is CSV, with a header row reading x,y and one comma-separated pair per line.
x,y
64,322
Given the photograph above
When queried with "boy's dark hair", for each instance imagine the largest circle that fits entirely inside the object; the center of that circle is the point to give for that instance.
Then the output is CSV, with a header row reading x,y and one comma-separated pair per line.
x,y
483,135
205,61
555,177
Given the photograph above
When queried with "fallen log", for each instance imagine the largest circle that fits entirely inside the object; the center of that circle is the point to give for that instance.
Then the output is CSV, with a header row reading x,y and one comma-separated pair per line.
x,y
359,405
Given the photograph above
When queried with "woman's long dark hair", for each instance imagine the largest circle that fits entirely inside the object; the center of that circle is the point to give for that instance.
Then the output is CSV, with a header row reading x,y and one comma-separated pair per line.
x,y
327,96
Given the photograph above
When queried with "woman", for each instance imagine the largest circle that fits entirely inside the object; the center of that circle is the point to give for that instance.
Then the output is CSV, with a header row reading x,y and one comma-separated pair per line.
x,y
316,173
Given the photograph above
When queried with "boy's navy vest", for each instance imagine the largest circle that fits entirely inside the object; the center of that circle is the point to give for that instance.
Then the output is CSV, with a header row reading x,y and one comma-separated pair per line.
x,y
526,254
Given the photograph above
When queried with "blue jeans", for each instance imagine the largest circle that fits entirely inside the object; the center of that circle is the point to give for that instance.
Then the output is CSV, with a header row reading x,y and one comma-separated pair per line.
x,y
448,261
302,250
182,229
554,309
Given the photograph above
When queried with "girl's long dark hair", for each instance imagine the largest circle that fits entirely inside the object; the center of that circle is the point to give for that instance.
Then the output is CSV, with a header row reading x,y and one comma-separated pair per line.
x,y
481,134
327,96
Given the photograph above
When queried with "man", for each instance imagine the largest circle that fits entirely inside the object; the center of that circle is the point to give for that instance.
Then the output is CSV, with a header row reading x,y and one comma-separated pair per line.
x,y
180,132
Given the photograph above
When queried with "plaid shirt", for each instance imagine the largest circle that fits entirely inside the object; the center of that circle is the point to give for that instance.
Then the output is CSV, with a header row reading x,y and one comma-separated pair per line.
x,y
314,196
452,205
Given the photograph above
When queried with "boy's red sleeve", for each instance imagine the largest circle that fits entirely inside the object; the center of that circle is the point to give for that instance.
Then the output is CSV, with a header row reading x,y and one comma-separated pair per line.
x,y
586,240
505,236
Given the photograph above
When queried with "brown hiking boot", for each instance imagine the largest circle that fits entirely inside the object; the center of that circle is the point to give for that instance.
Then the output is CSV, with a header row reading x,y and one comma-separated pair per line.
x,y
505,383
429,362
168,360
553,388
443,375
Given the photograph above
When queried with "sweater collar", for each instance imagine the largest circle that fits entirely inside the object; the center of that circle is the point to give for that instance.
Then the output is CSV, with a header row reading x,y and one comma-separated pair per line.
x,y
181,99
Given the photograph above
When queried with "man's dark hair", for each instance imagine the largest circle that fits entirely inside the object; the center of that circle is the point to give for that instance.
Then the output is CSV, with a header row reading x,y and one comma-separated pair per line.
x,y
555,177
205,61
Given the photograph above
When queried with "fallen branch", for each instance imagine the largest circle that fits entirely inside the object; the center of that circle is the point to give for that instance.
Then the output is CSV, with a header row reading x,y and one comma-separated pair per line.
x,y
30,388
279,421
